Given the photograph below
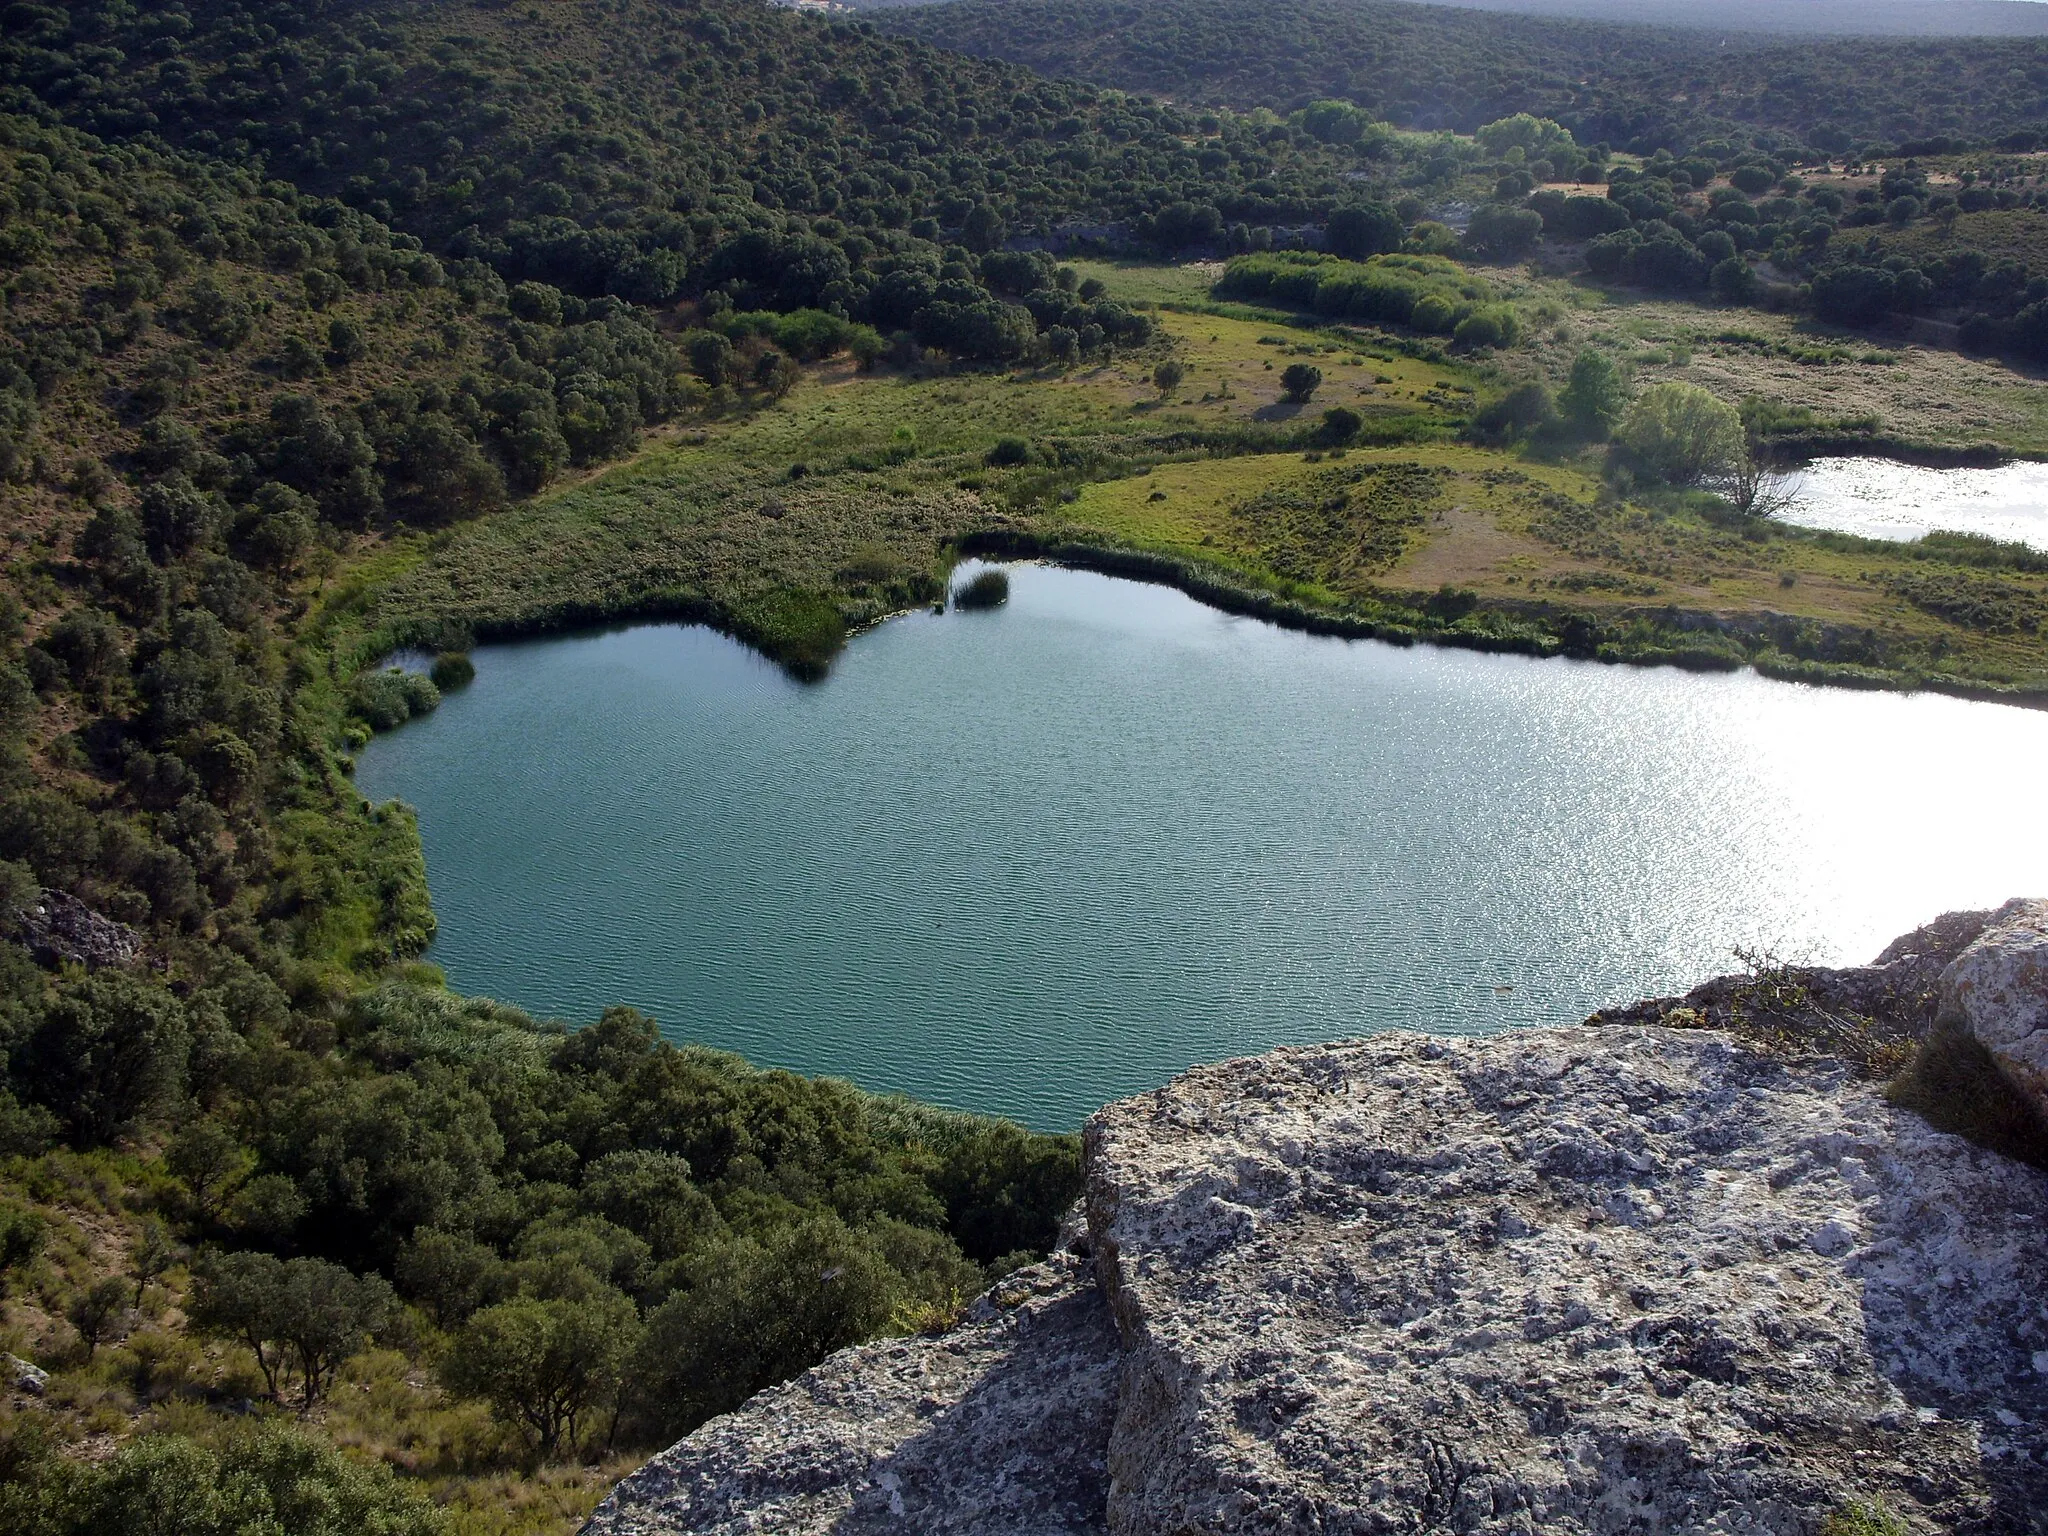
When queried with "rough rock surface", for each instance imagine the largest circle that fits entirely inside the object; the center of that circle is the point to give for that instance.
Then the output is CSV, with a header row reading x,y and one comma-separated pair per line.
x,y
999,1427
1997,989
24,1375
58,928
1563,1281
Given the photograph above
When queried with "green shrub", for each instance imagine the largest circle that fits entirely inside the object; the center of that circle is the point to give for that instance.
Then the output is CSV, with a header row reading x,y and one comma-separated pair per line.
x,y
990,589
1494,325
263,1479
1857,1518
1427,292
1681,434
1955,1085
756,1313
544,1365
1340,425
1300,381
1525,409
453,669
1595,396
388,698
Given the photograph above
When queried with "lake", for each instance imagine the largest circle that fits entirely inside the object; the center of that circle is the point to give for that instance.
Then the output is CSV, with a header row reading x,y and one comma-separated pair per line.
x,y
1882,499
1028,860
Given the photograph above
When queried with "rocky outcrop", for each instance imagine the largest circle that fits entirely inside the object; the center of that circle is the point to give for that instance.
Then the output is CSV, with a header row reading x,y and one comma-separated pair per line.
x,y
1865,1013
1567,1281
59,928
1997,990
997,1428
1624,1279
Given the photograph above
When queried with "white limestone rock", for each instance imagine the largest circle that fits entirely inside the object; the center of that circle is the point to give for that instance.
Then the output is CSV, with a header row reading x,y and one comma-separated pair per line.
x,y
997,1428
1567,1281
1997,989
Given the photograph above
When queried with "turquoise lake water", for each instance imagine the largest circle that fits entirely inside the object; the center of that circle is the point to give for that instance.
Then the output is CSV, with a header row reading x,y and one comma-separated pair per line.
x,y
1030,860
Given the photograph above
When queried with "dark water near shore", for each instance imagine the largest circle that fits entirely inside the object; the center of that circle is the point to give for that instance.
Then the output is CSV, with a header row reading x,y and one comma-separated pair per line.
x,y
1030,860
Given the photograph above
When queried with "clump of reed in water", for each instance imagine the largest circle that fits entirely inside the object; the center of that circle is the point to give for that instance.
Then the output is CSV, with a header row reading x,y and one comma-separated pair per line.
x,y
991,589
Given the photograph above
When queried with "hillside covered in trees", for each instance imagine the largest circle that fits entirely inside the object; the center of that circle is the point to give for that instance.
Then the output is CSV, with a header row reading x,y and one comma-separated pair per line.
x,y
1424,66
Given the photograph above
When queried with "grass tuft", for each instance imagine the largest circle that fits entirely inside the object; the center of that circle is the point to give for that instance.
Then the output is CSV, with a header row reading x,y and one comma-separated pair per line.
x,y
991,589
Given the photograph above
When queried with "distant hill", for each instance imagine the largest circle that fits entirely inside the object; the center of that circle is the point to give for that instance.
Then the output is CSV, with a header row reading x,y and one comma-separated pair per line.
x,y
1820,18
1436,66
1841,18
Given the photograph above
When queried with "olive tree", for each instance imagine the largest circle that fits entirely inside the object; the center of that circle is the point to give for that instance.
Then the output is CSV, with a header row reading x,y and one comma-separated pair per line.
x,y
303,1313
544,1364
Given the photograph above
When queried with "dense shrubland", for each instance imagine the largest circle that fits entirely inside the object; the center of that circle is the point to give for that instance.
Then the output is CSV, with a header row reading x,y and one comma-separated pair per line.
x,y
1949,224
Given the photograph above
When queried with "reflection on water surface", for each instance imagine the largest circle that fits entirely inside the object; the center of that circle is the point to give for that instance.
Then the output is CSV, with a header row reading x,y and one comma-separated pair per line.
x,y
1880,499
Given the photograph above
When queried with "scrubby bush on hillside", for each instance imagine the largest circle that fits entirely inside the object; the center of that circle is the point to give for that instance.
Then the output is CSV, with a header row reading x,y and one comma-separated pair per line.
x,y
1681,434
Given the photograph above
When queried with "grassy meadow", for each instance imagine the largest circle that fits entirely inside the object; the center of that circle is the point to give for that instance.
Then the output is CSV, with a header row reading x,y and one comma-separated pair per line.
x,y
793,524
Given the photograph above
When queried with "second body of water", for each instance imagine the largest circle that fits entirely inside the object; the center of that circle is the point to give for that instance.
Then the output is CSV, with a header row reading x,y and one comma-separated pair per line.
x,y
1030,860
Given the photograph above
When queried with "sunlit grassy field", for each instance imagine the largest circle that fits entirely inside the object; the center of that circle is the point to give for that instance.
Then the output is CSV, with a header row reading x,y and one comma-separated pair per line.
x,y
845,501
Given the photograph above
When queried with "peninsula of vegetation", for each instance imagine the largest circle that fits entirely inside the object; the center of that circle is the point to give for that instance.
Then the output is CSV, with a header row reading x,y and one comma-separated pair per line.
x,y
333,330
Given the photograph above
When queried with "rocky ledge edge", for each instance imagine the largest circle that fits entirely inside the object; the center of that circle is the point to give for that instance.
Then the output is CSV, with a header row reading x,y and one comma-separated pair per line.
x,y
1671,1272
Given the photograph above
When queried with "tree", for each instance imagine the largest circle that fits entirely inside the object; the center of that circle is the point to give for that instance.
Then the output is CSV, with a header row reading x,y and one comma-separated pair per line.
x,y
775,373
1733,281
209,1162
297,1312
1595,395
756,1313
1364,229
452,1276
544,1365
982,230
1852,294
1167,376
1340,425
711,357
1300,381
106,1054
345,342
1525,409
151,1254
1754,488
1682,434
327,1315
97,1311
1502,233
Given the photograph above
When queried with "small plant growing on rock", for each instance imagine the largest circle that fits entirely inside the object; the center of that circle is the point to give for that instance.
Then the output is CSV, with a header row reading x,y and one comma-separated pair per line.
x,y
991,589
1860,1519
